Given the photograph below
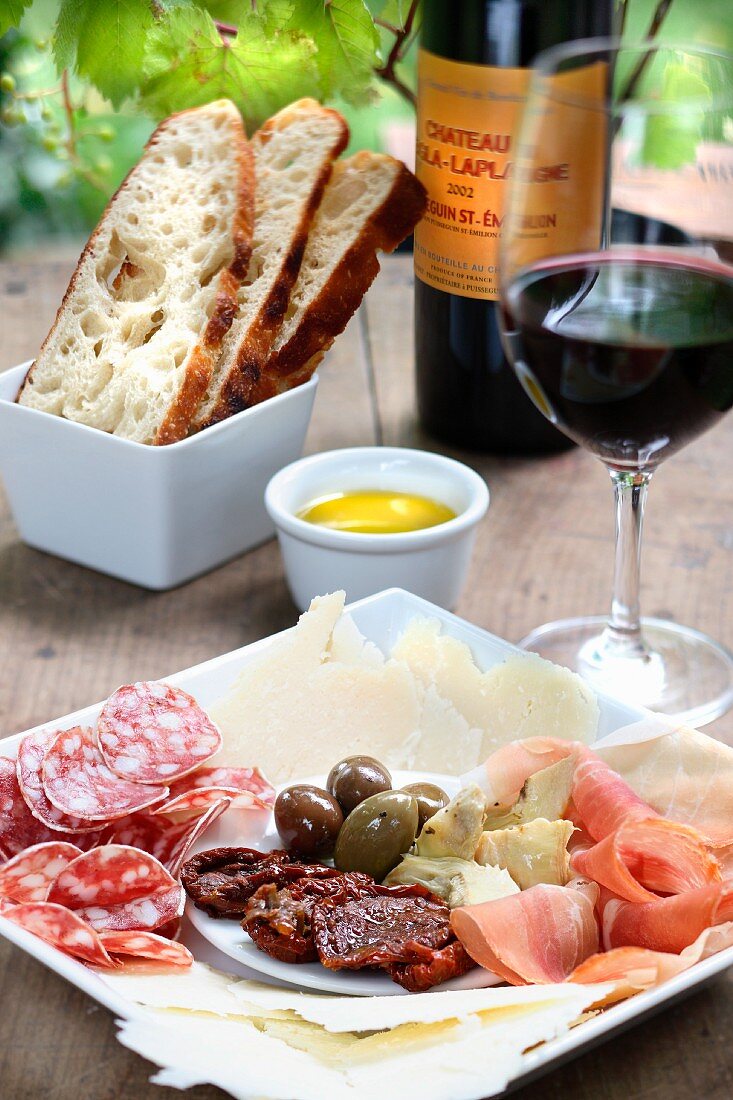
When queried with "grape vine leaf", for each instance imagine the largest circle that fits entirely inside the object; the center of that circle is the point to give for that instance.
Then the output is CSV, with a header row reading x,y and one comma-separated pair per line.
x,y
275,14
272,14
64,35
346,41
11,13
188,62
107,41
395,12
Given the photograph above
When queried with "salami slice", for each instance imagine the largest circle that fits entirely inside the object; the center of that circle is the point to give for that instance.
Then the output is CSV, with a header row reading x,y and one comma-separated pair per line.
x,y
110,875
171,930
246,780
197,828
78,782
19,829
147,945
245,787
168,841
117,887
196,801
150,732
61,928
29,761
155,835
140,914
27,876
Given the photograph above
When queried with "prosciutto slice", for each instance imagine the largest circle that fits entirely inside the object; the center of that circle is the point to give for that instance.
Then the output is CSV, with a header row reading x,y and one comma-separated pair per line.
x,y
680,772
635,969
502,776
643,856
667,924
603,800
536,937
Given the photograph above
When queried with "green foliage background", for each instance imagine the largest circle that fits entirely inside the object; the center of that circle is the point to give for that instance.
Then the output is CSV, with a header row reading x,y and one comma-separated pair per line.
x,y
131,62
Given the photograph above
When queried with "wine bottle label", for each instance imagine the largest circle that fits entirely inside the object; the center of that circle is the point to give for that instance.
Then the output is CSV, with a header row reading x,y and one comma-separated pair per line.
x,y
467,122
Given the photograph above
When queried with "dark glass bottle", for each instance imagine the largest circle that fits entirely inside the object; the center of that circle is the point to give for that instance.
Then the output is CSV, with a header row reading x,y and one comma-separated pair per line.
x,y
467,393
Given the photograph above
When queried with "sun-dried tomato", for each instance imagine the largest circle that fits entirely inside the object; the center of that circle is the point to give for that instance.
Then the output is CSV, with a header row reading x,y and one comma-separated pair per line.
x,y
449,962
375,931
221,880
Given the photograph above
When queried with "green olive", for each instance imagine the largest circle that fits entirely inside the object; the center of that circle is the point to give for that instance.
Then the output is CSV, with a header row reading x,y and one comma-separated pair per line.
x,y
376,834
356,778
429,799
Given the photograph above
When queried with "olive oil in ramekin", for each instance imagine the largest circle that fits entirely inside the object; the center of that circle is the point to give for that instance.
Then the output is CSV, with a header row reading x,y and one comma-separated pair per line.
x,y
376,512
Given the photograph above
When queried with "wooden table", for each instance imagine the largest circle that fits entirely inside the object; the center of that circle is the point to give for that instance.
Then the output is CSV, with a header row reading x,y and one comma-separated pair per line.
x,y
69,636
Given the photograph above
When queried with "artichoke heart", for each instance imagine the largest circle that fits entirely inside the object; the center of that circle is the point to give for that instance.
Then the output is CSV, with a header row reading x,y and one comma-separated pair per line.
x,y
532,853
456,881
456,829
545,794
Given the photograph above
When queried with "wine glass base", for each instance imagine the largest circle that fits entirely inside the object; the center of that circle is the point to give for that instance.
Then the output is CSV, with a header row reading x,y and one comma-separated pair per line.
x,y
685,674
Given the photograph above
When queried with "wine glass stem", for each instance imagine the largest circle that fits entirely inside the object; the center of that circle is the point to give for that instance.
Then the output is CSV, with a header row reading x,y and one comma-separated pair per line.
x,y
622,636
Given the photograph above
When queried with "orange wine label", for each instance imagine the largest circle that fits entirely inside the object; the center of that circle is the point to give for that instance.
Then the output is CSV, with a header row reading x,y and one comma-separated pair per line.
x,y
466,156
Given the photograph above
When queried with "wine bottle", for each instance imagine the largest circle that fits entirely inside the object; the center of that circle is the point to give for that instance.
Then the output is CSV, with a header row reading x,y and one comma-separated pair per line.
x,y
473,76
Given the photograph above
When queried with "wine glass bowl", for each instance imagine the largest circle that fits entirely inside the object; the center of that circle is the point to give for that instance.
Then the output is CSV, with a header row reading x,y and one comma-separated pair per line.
x,y
617,314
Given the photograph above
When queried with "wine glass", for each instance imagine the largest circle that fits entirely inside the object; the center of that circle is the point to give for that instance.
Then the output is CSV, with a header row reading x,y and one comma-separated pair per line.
x,y
617,315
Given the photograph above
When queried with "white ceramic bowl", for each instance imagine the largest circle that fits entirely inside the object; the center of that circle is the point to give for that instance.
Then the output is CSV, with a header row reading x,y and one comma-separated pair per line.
x,y
432,563
155,516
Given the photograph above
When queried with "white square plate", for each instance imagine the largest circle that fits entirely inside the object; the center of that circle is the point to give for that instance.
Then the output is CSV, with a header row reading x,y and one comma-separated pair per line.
x,y
381,618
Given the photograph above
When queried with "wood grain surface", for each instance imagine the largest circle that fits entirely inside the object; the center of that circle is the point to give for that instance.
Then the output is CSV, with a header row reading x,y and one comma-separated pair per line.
x,y
69,636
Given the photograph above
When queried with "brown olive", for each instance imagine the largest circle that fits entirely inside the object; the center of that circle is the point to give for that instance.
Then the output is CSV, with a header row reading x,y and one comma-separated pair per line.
x,y
308,820
376,834
429,800
356,778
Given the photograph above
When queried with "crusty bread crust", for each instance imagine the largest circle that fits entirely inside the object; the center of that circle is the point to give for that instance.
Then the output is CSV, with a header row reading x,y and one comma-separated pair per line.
x,y
204,355
203,360
245,369
330,312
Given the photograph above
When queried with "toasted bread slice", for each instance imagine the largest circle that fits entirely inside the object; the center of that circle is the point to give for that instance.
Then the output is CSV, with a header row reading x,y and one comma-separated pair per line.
x,y
142,323
372,202
294,152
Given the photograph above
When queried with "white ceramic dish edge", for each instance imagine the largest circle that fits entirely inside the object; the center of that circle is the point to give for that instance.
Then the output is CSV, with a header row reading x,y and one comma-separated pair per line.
x,y
381,617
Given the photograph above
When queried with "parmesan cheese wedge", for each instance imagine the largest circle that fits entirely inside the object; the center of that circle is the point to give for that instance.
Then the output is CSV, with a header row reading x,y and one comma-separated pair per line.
x,y
443,738
523,696
198,989
322,691
350,647
296,710
472,1052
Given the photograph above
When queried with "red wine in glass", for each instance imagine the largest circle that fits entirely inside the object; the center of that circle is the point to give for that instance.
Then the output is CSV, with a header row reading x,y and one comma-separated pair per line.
x,y
628,351
616,283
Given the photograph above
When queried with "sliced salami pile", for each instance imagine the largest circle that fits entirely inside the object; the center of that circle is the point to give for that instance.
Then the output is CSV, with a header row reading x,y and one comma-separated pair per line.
x,y
95,825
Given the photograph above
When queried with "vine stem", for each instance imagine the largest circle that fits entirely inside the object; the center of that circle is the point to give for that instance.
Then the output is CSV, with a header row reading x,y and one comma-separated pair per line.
x,y
41,94
69,112
71,136
652,31
388,70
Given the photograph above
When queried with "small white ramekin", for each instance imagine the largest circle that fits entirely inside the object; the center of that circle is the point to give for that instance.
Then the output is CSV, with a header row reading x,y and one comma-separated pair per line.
x,y
432,563
153,516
